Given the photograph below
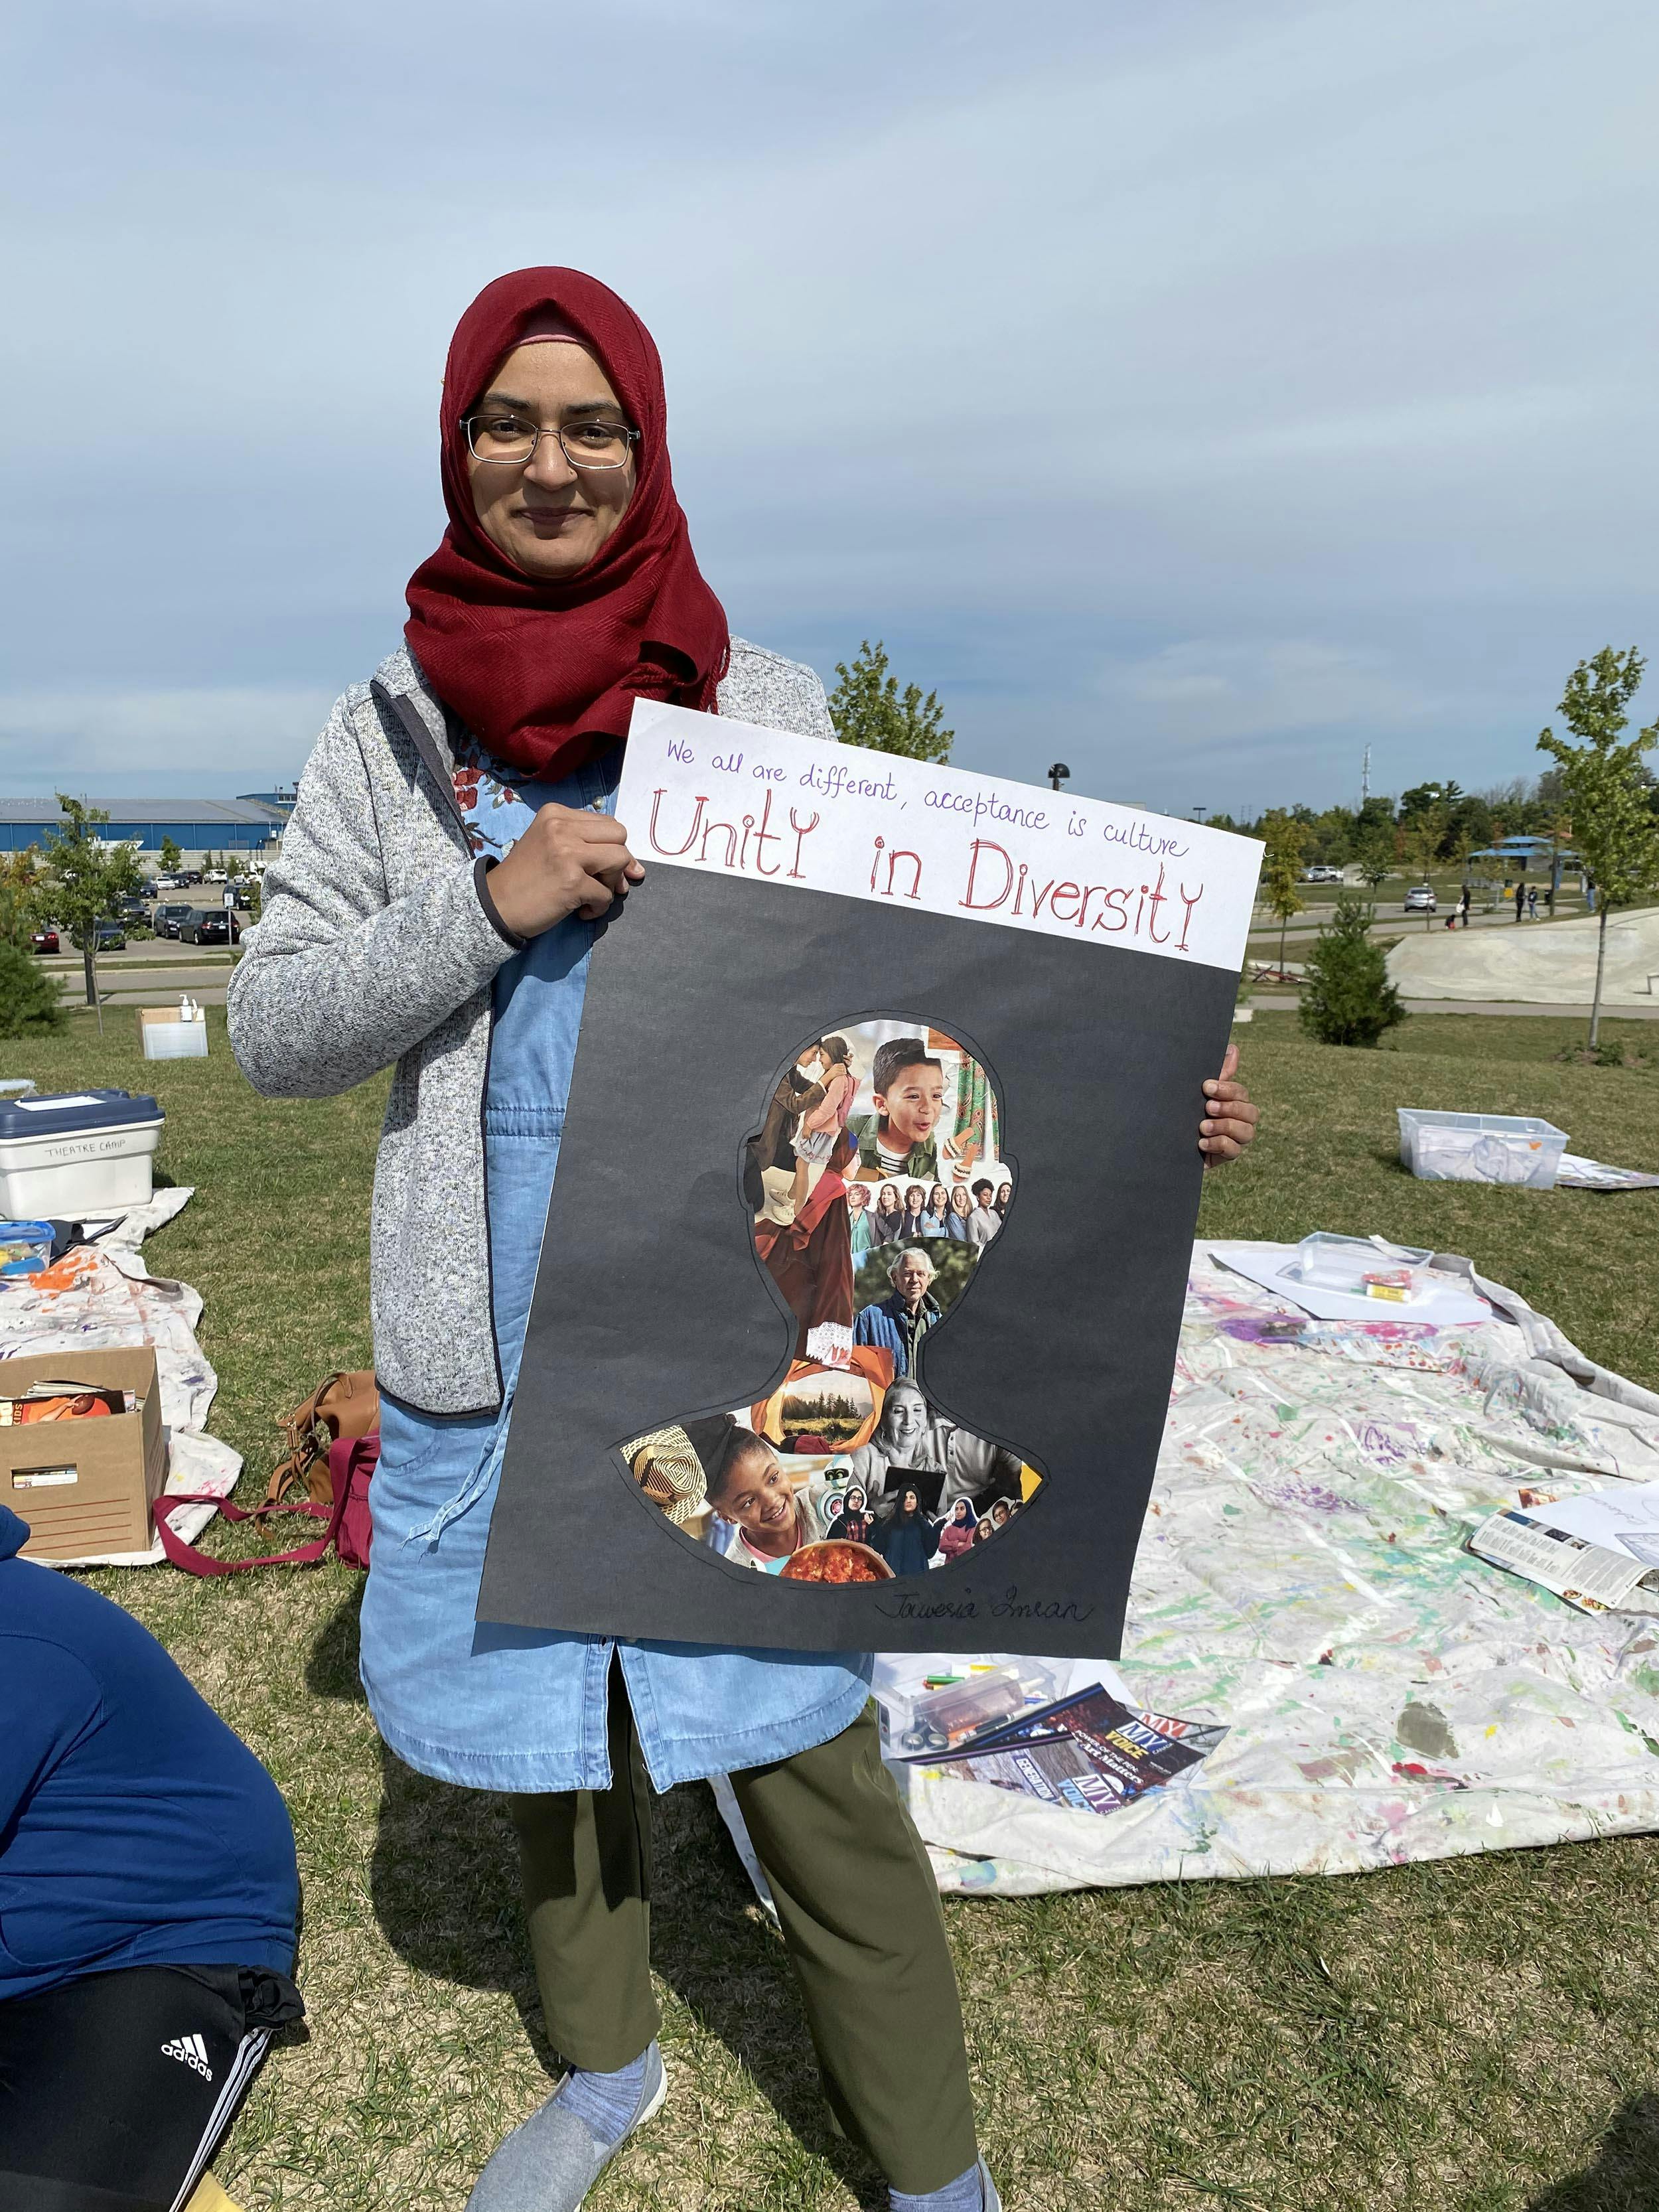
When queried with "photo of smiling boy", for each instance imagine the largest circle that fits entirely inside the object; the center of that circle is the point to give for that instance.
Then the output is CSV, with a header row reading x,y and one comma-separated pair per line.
x,y
903,1136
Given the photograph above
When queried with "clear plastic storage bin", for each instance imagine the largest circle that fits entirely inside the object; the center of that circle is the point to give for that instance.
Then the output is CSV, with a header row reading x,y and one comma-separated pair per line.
x,y
1513,1148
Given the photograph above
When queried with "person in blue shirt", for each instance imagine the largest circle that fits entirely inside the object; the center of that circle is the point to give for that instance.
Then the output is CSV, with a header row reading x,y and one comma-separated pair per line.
x,y
898,1322
148,1906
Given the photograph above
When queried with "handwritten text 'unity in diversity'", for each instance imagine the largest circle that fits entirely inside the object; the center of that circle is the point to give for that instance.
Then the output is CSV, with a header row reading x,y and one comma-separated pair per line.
x,y
770,835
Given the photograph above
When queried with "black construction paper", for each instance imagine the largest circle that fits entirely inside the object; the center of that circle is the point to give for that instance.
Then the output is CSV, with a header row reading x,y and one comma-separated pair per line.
x,y
651,1307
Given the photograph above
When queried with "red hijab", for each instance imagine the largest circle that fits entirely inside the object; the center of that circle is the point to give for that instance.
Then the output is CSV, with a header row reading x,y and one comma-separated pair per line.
x,y
546,674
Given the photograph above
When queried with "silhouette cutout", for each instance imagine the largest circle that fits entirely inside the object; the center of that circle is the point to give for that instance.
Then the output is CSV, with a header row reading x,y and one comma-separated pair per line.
x,y
874,1187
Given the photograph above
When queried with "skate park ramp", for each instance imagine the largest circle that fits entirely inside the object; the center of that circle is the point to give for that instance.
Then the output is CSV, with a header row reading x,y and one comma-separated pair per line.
x,y
1538,963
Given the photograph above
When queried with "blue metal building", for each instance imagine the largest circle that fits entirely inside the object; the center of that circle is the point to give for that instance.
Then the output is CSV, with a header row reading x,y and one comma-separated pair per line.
x,y
252,824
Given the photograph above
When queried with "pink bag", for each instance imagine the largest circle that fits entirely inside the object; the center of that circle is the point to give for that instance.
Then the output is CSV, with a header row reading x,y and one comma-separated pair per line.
x,y
351,1462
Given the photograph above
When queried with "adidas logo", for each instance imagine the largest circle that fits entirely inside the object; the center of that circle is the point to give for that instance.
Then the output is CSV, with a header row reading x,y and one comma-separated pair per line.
x,y
193,2052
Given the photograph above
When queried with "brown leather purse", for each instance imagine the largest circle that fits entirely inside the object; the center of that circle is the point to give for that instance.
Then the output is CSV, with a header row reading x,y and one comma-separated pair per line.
x,y
346,1405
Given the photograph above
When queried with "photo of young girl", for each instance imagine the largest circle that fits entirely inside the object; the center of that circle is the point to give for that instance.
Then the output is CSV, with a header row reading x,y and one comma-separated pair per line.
x,y
769,1518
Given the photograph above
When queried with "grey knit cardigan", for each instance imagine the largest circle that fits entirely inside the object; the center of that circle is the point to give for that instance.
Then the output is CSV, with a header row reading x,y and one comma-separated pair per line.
x,y
378,943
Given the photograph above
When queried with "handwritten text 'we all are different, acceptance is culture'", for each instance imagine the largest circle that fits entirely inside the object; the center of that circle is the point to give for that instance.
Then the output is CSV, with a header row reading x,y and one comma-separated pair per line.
x,y
741,807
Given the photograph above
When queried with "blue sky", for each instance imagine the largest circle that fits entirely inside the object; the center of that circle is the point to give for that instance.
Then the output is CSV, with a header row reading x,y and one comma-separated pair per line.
x,y
1199,392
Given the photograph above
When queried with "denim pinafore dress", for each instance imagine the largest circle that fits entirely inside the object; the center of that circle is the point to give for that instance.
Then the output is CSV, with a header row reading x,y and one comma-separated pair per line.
x,y
486,1704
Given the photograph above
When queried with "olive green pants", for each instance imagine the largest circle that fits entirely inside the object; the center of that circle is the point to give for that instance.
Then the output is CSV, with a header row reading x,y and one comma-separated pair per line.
x,y
861,1921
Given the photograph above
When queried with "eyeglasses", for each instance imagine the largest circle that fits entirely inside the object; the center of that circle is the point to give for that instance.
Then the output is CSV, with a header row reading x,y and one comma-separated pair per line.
x,y
511,440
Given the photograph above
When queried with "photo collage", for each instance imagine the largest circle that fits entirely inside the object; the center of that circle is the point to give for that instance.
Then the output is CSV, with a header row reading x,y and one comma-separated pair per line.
x,y
874,1187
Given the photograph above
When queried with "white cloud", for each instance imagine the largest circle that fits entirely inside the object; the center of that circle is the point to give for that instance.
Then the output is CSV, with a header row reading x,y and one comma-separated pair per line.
x,y
1203,693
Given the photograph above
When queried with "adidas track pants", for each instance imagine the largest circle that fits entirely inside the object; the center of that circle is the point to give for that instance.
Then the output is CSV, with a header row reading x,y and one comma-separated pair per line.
x,y
115,2088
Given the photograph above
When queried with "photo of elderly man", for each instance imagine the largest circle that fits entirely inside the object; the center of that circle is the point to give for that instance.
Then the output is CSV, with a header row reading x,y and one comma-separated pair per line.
x,y
898,1322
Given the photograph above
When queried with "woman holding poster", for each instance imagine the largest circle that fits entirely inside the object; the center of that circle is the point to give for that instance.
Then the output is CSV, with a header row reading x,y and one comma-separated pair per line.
x,y
434,906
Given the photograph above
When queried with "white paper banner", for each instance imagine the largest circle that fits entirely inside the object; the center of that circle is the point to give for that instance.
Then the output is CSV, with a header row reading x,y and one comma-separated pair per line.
x,y
734,800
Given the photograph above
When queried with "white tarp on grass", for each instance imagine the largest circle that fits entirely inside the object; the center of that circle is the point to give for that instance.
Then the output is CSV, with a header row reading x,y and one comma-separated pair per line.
x,y
1302,1578
98,1297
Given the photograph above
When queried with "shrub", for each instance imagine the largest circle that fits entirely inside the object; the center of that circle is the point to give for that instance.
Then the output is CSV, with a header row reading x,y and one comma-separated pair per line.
x,y
1347,997
29,1005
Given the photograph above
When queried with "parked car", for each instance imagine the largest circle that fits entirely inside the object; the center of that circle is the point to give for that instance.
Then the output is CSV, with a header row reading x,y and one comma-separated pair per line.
x,y
45,940
1420,899
213,876
187,876
1322,875
108,935
168,917
209,924
164,884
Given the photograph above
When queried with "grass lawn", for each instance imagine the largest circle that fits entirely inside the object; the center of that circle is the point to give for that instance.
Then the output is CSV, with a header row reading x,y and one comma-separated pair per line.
x,y
1479,2034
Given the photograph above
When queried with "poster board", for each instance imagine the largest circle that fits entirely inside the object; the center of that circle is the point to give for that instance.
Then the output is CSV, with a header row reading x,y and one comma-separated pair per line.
x,y
845,975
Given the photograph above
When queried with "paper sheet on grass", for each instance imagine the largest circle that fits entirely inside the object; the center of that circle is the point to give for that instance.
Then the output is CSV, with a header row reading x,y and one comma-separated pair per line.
x,y
1302,1579
100,1297
1578,1173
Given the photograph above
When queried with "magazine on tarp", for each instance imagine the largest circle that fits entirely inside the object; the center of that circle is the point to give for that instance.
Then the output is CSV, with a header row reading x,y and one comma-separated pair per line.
x,y
1089,1752
1597,1561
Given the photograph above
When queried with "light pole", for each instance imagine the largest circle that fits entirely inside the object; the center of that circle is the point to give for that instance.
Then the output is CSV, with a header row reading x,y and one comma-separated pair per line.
x,y
1058,774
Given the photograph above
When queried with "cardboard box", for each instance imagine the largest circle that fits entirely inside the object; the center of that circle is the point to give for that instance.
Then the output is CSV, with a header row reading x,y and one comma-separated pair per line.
x,y
86,1486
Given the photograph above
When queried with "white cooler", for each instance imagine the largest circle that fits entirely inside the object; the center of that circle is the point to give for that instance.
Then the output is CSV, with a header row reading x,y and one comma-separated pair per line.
x,y
80,1153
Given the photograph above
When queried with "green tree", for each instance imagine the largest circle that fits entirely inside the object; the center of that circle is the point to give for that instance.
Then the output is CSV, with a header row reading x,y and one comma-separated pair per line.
x,y
20,895
83,878
1347,996
29,1005
1373,853
1284,838
868,708
1606,790
171,858
1425,835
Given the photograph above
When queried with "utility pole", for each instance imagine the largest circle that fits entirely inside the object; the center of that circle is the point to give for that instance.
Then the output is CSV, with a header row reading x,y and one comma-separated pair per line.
x,y
1058,774
1364,779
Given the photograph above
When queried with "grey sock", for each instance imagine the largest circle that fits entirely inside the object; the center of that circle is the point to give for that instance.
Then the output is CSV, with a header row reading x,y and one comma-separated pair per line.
x,y
968,2192
550,2162
607,2102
